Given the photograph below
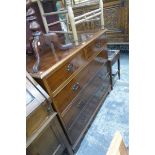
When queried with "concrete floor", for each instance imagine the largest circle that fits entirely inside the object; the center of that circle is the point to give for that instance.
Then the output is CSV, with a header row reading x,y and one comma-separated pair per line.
x,y
113,116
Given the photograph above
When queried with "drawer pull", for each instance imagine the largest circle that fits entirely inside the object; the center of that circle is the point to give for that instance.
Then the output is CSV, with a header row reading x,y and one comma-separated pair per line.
x,y
69,68
75,87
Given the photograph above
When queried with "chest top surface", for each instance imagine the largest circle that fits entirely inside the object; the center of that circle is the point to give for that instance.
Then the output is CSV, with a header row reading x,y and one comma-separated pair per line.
x,y
49,62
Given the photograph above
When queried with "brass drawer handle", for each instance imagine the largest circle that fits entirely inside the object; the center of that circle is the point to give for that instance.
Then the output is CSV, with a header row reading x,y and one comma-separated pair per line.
x,y
76,86
69,67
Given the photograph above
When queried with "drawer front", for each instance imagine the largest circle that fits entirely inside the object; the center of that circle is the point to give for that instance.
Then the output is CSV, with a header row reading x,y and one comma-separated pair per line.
x,y
35,120
69,92
79,104
92,96
59,76
93,48
49,142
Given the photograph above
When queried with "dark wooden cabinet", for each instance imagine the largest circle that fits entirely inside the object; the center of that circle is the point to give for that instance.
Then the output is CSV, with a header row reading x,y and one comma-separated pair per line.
x,y
44,134
78,83
50,140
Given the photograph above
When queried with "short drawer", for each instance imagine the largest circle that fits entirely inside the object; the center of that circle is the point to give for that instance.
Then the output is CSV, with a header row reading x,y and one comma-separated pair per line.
x,y
64,72
93,48
72,89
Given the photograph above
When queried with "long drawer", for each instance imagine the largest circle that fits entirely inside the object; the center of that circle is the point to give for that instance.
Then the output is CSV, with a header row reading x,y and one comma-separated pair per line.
x,y
61,74
72,89
91,100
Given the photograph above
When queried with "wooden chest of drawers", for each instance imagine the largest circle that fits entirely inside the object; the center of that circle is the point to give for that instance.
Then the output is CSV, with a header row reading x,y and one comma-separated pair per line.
x,y
44,135
78,84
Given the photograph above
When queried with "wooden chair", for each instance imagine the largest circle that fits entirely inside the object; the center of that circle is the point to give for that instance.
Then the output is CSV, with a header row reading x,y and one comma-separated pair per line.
x,y
117,146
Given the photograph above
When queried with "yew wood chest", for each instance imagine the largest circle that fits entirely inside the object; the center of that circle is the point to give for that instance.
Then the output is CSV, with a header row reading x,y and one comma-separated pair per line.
x,y
77,81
